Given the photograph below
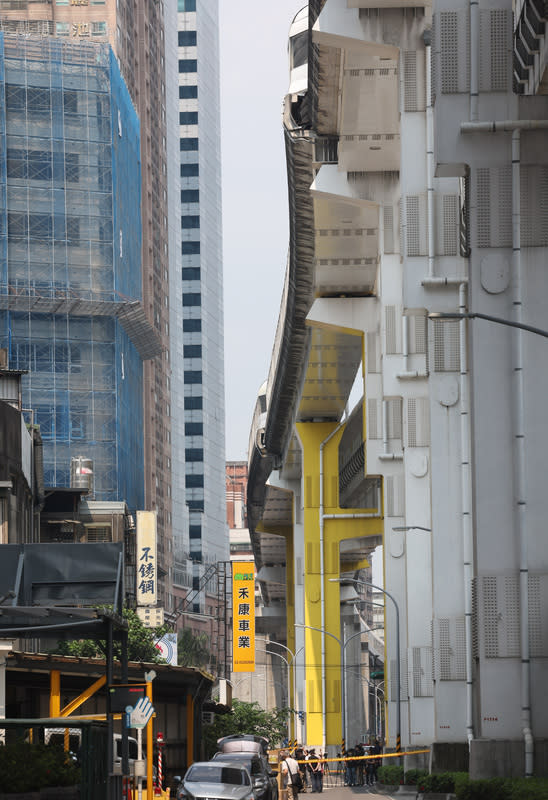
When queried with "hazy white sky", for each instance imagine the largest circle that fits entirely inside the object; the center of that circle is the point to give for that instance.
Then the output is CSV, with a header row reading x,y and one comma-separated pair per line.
x,y
254,80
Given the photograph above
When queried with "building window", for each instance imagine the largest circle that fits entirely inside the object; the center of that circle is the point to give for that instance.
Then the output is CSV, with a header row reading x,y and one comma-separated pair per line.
x,y
194,481
190,170
188,118
16,164
192,351
98,28
192,376
70,102
38,99
186,5
73,230
187,38
15,97
194,428
192,299
72,167
190,222
188,92
188,144
62,28
191,273
98,533
193,403
190,249
190,195
195,531
192,326
188,65
194,454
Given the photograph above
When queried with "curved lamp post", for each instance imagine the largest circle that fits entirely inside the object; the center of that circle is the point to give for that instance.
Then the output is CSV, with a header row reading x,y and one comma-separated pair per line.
x,y
398,666
342,644
488,318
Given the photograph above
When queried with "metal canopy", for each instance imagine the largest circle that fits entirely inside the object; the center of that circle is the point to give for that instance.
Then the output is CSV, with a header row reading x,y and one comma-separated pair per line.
x,y
48,586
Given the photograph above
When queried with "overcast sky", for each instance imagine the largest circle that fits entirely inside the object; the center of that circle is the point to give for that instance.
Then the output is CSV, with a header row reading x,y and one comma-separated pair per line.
x,y
254,80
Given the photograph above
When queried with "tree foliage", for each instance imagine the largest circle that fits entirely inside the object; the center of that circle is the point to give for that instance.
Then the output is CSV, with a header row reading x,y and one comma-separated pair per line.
x,y
140,645
193,649
247,718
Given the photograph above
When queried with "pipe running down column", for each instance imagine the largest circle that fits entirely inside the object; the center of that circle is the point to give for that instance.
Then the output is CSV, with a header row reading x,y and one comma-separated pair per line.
x,y
519,460
466,504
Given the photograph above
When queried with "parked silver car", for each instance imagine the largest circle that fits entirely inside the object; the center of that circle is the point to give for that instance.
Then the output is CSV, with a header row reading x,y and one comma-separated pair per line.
x,y
216,780
264,781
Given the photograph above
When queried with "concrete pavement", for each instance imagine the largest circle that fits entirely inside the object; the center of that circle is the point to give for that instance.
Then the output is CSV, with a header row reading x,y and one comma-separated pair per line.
x,y
337,791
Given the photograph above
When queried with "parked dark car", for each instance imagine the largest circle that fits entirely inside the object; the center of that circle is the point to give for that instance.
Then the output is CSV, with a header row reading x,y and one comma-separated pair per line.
x,y
216,780
263,778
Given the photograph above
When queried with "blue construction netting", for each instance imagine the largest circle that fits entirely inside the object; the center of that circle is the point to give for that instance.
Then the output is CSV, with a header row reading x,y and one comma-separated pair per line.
x,y
70,228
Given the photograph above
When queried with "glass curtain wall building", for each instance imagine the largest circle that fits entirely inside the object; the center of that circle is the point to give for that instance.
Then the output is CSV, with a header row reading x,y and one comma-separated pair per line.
x,y
202,288
70,238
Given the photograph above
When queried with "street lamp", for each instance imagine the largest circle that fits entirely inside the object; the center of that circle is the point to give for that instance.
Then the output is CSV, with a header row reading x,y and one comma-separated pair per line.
x,y
489,318
398,669
290,664
412,528
342,645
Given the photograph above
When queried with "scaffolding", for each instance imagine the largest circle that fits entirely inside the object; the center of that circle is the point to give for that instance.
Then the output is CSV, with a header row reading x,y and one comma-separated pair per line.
x,y
70,240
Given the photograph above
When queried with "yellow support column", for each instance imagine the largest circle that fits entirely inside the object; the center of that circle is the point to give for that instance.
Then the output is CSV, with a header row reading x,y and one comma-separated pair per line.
x,y
338,524
311,436
55,693
287,533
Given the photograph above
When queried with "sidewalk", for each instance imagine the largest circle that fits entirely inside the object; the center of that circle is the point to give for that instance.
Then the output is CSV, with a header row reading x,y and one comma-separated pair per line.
x,y
340,792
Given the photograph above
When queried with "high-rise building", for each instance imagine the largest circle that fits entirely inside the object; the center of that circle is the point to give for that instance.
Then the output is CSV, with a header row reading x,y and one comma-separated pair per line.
x,y
136,34
201,332
70,241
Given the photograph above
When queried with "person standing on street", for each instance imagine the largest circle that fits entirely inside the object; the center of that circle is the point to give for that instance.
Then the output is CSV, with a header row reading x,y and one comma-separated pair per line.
x,y
316,769
290,774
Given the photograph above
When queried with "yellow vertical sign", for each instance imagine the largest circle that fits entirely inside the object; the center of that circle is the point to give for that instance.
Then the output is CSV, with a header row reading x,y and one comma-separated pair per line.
x,y
243,616
147,568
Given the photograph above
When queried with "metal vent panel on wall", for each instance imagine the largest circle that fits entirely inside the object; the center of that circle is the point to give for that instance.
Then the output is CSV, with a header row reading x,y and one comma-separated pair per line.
x,y
453,47
418,422
496,50
374,417
447,225
416,219
449,650
372,354
392,317
403,679
414,83
394,418
497,615
417,333
534,206
493,191
395,495
421,671
498,624
446,350
389,238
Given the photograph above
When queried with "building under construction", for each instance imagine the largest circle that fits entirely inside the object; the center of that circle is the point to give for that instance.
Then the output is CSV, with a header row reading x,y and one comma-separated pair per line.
x,y
70,244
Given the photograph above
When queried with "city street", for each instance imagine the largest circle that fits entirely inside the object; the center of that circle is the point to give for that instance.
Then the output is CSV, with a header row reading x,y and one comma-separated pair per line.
x,y
338,792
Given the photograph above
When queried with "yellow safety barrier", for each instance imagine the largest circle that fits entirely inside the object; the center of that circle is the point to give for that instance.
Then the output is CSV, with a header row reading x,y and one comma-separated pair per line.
x,y
363,758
